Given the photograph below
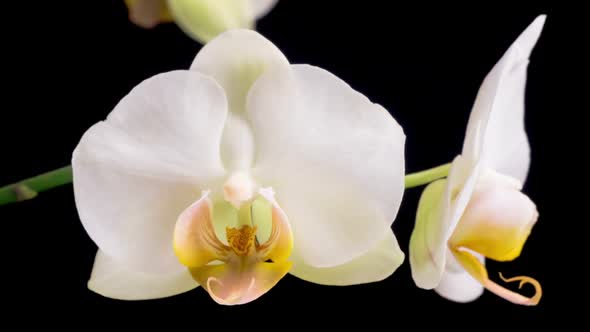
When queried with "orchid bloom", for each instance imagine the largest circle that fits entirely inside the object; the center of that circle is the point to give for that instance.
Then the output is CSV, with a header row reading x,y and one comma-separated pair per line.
x,y
235,172
479,211
203,20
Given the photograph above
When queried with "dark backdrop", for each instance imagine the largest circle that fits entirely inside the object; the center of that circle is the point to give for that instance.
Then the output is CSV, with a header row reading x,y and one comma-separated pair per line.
x,y
70,63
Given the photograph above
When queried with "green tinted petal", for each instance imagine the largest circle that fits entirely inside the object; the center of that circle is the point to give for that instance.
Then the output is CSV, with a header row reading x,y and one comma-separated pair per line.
x,y
427,262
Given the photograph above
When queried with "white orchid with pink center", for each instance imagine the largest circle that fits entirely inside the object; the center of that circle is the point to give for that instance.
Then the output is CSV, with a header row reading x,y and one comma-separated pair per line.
x,y
236,172
479,211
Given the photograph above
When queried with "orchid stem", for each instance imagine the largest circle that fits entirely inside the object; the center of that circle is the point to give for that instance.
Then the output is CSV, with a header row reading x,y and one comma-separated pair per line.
x,y
427,176
29,188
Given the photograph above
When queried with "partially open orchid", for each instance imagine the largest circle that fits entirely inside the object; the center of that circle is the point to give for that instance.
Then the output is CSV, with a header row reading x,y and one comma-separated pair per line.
x,y
479,210
202,20
236,172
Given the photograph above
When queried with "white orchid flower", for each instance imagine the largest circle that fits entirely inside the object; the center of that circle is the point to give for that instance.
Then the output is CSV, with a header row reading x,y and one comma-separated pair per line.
x,y
202,20
479,210
177,186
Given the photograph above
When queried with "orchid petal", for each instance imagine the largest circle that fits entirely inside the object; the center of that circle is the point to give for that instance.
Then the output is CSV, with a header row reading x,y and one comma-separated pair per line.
x,y
115,280
137,171
459,287
376,265
427,244
335,158
495,131
235,59
441,205
463,178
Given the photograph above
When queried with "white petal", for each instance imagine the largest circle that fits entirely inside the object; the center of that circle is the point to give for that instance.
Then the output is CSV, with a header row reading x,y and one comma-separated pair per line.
x,y
459,287
261,7
115,280
496,130
439,211
235,59
137,171
335,160
376,265
427,242
461,182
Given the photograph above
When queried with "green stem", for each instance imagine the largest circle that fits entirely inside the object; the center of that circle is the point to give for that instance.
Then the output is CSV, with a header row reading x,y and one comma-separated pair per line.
x,y
29,188
427,176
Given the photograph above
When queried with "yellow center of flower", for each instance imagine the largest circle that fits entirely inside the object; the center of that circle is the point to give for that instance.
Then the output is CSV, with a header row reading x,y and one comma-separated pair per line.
x,y
241,239
242,269
496,224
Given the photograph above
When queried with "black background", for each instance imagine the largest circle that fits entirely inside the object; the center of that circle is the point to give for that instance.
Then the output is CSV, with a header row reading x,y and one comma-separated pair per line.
x,y
68,64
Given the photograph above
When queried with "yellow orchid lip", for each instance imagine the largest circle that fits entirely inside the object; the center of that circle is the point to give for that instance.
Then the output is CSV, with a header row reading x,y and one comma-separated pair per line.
x,y
248,269
496,224
478,271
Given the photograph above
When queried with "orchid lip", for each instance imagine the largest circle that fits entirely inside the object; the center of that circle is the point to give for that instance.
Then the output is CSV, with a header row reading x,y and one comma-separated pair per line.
x,y
476,269
248,268
496,224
